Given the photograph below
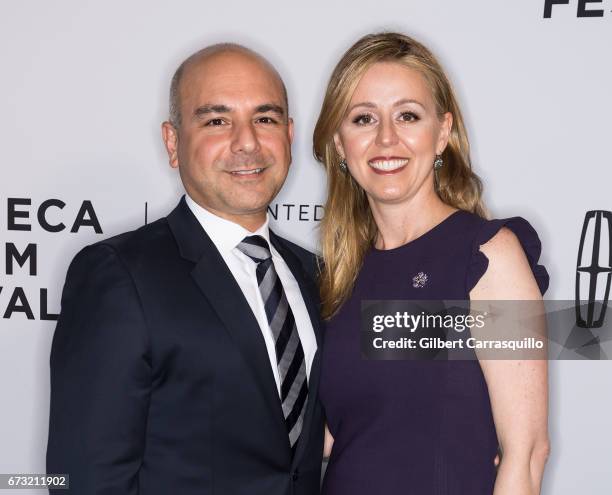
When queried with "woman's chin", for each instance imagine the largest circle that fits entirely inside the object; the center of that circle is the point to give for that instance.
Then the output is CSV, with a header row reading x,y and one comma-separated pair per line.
x,y
389,196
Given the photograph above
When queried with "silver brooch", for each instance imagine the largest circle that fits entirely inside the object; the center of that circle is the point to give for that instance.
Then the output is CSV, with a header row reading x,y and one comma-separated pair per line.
x,y
419,280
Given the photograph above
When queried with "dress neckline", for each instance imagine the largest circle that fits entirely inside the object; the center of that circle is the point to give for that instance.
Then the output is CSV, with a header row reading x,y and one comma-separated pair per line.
x,y
422,237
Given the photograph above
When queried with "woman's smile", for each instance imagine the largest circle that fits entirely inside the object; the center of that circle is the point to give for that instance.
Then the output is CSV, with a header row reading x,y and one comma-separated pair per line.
x,y
387,165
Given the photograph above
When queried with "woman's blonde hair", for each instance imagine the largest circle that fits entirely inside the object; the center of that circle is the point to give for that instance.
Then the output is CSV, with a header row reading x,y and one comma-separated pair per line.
x,y
348,228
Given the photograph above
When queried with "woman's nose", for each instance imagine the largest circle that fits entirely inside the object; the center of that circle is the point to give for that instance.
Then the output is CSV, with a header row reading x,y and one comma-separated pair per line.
x,y
387,135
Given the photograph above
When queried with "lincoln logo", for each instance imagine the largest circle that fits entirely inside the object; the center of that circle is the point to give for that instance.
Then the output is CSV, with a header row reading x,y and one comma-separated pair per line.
x,y
594,269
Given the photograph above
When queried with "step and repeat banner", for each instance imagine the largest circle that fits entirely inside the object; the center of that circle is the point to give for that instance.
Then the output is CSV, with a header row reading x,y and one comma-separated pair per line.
x,y
84,89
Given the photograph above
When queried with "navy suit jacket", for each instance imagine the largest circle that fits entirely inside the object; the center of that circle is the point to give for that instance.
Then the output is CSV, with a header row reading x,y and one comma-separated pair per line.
x,y
160,378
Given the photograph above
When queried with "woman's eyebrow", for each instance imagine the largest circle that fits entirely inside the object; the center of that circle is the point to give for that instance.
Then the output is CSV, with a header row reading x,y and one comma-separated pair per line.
x,y
366,104
403,101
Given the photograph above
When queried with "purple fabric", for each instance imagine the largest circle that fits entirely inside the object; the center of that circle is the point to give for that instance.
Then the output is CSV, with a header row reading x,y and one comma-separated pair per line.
x,y
414,427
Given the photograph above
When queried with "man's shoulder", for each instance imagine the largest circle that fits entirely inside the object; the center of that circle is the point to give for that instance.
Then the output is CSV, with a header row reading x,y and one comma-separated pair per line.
x,y
144,239
150,242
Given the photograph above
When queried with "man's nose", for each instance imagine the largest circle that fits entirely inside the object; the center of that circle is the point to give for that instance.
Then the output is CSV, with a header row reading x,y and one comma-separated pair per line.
x,y
244,139
387,134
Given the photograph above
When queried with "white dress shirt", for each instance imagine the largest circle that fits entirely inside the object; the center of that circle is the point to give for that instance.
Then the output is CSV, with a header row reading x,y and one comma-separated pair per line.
x,y
226,235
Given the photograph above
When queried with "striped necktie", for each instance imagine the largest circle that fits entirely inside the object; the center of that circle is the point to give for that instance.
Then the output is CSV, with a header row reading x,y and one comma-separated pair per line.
x,y
289,352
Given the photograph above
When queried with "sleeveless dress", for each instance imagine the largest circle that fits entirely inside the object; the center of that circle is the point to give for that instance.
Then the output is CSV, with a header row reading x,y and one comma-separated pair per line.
x,y
414,427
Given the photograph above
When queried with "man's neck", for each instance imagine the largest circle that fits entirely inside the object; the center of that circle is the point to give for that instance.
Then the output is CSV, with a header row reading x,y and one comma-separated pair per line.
x,y
249,221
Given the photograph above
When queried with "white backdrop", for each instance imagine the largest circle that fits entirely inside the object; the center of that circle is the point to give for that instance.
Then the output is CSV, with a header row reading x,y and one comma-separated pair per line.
x,y
84,89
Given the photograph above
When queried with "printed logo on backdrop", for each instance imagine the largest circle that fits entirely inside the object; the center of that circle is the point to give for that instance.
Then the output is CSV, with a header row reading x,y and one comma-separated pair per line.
x,y
590,335
24,257
296,212
304,212
584,8
594,269
287,212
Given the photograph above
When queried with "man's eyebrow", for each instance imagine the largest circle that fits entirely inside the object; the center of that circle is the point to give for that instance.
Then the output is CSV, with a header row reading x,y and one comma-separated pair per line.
x,y
210,108
270,107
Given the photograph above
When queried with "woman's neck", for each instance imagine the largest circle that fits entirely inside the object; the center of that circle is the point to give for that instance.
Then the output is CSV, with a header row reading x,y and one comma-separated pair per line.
x,y
401,223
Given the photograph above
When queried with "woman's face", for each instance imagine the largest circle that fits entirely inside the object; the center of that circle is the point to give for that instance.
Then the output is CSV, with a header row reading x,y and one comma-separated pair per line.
x,y
391,134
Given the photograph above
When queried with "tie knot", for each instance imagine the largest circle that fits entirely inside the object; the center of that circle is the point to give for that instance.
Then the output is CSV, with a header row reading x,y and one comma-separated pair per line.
x,y
256,248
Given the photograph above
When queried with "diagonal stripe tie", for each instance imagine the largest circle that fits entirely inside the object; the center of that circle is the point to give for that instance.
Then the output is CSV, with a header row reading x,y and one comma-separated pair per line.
x,y
290,358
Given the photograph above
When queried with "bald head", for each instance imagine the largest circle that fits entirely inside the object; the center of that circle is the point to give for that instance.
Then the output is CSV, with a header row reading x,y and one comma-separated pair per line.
x,y
204,59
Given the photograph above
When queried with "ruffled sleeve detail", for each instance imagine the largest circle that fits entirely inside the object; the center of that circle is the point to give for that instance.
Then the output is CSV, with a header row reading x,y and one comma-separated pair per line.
x,y
528,238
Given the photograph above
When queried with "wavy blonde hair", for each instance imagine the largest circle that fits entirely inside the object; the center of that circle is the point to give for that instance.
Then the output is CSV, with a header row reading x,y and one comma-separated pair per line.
x,y
348,229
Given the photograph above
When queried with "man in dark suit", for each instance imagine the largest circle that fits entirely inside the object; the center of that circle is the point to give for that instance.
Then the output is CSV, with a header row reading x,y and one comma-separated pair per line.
x,y
185,359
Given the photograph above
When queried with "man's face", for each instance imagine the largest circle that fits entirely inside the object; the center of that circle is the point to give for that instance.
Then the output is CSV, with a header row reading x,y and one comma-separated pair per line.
x,y
233,146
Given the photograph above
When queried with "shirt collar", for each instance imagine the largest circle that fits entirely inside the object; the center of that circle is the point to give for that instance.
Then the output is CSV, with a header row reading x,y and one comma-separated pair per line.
x,y
225,234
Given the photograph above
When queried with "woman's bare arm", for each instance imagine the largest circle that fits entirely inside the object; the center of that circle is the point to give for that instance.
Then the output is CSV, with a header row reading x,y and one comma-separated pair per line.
x,y
518,388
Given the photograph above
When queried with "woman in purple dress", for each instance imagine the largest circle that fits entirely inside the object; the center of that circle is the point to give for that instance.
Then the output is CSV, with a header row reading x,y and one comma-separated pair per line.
x,y
404,220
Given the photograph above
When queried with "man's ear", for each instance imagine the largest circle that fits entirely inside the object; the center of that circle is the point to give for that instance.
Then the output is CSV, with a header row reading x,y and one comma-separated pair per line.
x,y
447,126
170,137
290,129
338,144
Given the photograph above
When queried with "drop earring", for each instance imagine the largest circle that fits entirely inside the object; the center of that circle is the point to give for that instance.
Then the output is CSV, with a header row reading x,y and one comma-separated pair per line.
x,y
343,166
438,162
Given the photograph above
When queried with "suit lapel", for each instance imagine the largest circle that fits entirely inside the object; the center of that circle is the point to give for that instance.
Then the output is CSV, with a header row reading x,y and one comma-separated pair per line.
x,y
310,295
218,285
